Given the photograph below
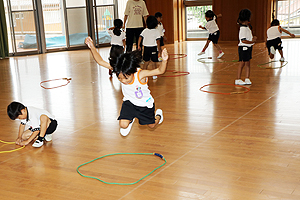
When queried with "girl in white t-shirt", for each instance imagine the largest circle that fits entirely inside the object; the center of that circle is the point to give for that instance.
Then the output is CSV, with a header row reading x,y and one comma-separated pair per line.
x,y
274,39
137,100
213,30
118,39
245,46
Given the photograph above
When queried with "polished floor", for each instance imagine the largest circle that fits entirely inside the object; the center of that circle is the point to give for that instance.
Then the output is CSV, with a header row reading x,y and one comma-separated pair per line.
x,y
217,147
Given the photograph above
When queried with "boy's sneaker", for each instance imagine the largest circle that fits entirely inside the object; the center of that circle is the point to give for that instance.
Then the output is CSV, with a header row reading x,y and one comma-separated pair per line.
x,y
272,50
160,113
38,143
160,59
125,131
201,53
281,59
154,77
247,81
239,82
220,55
48,137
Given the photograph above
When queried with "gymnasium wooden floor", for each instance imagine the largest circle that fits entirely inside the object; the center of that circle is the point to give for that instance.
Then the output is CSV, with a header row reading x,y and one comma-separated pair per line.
x,y
217,147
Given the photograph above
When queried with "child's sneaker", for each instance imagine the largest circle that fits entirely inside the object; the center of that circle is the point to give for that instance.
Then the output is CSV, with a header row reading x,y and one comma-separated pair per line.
x,y
281,59
239,82
201,53
48,137
125,131
160,113
38,143
160,59
220,55
272,50
154,77
247,81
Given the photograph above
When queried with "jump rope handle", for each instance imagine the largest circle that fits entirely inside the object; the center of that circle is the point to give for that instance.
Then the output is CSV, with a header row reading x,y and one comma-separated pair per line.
x,y
159,155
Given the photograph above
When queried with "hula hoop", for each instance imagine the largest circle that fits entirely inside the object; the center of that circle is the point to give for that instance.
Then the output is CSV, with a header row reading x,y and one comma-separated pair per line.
x,y
10,150
247,89
181,73
155,154
284,63
66,79
181,55
203,61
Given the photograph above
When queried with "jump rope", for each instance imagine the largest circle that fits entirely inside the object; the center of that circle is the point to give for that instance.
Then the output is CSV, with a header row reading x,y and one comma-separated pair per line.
x,y
10,150
113,183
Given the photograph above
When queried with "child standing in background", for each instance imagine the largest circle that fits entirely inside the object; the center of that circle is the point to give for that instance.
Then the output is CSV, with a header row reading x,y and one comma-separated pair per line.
x,y
214,32
118,40
151,42
245,46
274,39
161,30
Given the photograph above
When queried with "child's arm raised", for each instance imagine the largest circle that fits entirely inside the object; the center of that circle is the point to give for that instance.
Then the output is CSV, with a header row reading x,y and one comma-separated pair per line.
x,y
96,55
287,32
160,70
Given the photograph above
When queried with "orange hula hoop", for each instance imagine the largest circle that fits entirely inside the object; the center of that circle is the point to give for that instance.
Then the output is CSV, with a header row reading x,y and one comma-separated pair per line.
x,y
67,79
181,55
174,71
224,93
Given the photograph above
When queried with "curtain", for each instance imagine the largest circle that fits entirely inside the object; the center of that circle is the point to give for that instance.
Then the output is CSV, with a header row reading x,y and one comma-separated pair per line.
x,y
4,52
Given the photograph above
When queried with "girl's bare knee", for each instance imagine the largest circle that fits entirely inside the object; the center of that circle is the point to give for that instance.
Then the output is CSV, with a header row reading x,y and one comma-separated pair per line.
x,y
123,124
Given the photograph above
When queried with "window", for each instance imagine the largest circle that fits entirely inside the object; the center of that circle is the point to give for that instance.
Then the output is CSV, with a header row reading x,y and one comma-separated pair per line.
x,y
288,13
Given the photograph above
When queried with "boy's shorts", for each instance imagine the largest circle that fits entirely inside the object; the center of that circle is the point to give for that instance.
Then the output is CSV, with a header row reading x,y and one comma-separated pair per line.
x,y
214,37
150,53
52,126
245,53
144,114
276,43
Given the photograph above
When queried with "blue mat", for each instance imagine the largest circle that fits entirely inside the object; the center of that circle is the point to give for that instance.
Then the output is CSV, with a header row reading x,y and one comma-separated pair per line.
x,y
60,41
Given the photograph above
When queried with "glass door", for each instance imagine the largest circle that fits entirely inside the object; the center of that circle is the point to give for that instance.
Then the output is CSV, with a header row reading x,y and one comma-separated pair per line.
x,y
195,16
104,19
21,28
288,13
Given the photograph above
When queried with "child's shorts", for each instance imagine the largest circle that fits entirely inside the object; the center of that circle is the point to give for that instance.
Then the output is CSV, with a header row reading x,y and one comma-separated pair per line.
x,y
245,53
144,114
52,126
214,37
150,53
276,43
162,41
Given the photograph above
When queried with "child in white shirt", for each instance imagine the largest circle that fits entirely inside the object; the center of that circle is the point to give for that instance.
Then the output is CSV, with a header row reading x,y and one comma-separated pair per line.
x,y
160,28
245,46
274,39
214,32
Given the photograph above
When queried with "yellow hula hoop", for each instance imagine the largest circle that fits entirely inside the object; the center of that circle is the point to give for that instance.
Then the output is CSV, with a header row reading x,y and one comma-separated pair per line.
x,y
10,150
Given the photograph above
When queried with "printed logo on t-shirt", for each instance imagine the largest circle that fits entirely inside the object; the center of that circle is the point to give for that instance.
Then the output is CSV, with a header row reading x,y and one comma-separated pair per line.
x,y
138,92
137,10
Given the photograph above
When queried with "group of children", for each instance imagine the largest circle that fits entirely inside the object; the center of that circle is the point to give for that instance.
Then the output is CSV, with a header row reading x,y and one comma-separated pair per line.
x,y
151,38
246,41
137,101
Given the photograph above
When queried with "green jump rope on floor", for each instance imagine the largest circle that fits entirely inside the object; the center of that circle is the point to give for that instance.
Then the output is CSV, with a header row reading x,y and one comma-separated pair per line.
x,y
112,183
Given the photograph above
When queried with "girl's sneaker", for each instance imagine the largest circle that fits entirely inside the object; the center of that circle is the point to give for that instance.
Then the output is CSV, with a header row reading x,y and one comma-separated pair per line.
x,y
247,81
201,53
220,55
159,112
281,59
239,82
125,131
154,77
